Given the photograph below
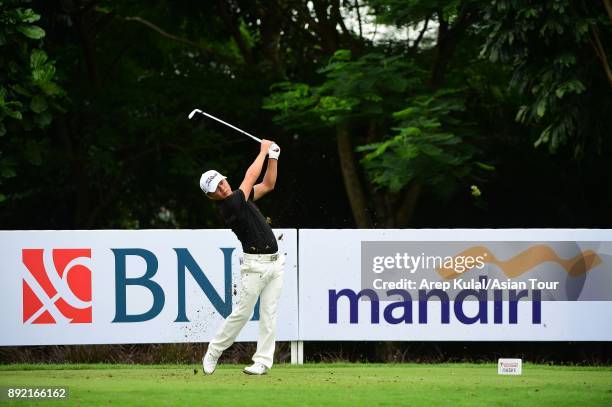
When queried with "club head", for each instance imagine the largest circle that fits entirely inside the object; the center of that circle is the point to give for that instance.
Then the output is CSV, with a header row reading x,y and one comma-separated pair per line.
x,y
193,112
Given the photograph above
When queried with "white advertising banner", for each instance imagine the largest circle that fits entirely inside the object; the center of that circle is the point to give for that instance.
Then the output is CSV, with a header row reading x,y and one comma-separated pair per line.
x,y
455,285
129,286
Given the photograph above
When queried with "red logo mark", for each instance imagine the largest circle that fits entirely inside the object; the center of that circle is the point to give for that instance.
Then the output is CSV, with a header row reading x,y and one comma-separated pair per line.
x,y
56,286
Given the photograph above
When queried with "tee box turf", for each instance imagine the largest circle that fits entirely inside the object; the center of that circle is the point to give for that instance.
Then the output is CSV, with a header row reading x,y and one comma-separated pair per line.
x,y
510,366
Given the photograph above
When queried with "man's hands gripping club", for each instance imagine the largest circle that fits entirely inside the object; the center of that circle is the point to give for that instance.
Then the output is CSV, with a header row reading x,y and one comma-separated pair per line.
x,y
270,148
252,174
265,146
274,151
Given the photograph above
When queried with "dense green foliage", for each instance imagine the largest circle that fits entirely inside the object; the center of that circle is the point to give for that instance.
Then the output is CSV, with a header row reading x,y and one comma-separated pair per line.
x,y
552,48
423,149
29,96
487,114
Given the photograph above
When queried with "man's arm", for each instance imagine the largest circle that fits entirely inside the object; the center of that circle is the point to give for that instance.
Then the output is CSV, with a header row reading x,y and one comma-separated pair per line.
x,y
269,181
252,174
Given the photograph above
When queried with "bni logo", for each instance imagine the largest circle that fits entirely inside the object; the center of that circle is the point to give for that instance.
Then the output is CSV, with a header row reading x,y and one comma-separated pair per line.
x,y
56,286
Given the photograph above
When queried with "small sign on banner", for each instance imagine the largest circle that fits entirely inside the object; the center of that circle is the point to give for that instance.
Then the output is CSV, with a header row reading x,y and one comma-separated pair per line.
x,y
510,366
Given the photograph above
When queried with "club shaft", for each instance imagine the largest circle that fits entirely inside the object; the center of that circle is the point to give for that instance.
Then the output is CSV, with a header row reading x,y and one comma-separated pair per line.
x,y
229,125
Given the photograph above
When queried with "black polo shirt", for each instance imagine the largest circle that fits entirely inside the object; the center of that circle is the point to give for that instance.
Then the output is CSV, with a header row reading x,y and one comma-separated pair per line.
x,y
247,222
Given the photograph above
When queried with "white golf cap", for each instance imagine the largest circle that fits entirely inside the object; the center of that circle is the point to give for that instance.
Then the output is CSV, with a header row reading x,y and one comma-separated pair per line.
x,y
209,180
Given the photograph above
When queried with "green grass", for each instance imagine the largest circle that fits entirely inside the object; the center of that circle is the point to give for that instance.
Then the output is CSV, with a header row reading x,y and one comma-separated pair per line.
x,y
317,385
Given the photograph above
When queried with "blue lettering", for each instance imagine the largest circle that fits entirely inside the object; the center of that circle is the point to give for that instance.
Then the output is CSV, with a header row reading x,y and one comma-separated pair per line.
x,y
187,262
444,305
353,304
406,305
122,281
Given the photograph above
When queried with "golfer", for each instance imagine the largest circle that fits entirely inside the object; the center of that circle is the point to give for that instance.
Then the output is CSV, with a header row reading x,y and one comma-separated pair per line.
x,y
261,270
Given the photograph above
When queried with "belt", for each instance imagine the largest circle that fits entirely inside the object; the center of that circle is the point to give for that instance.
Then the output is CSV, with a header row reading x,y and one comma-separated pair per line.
x,y
261,257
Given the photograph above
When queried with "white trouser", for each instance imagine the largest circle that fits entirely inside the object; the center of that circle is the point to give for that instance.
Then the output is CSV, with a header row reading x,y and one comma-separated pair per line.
x,y
259,278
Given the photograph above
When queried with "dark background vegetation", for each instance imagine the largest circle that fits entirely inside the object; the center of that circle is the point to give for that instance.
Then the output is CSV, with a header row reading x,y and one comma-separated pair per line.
x,y
490,114
567,353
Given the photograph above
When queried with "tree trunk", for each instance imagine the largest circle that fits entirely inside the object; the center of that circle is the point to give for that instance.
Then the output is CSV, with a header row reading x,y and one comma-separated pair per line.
x,y
350,176
271,27
447,40
89,50
441,53
325,26
379,200
232,26
404,212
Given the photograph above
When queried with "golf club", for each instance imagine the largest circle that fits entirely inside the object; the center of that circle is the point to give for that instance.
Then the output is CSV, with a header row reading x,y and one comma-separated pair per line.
x,y
194,111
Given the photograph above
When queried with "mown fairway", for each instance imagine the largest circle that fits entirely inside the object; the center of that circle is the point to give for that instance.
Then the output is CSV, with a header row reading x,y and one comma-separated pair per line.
x,y
316,385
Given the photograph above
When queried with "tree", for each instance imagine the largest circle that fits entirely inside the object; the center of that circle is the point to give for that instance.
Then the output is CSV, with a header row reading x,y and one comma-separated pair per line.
x,y
359,97
123,149
405,130
376,90
558,52
364,89
29,95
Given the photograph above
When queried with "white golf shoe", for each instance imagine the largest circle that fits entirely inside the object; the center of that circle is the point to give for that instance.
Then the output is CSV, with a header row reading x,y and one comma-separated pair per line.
x,y
209,363
256,368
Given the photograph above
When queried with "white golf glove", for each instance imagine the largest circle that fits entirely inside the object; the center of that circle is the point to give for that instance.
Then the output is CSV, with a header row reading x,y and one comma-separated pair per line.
x,y
274,151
